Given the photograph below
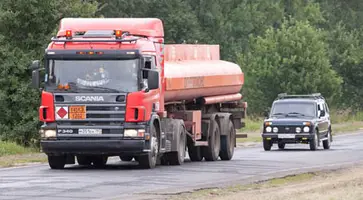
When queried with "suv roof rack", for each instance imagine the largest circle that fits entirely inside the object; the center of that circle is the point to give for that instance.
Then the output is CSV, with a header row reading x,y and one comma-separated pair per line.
x,y
307,96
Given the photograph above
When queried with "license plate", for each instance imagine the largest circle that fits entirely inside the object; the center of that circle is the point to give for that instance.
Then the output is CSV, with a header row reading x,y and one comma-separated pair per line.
x,y
286,135
90,131
77,112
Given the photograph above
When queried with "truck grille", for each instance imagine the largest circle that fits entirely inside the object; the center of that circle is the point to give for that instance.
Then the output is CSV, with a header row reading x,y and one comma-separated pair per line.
x,y
108,117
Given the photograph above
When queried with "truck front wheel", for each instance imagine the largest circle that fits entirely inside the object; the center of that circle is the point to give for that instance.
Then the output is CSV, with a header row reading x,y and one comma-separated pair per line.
x,y
56,162
84,160
126,158
148,161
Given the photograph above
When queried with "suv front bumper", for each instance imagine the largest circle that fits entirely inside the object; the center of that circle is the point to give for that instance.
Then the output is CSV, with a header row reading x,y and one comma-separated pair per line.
x,y
293,137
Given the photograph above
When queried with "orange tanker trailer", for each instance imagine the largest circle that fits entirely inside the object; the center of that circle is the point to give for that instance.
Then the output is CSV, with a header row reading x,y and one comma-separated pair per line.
x,y
112,88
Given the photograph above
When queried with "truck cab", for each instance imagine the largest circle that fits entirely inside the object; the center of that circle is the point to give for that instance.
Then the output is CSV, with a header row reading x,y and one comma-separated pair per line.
x,y
100,89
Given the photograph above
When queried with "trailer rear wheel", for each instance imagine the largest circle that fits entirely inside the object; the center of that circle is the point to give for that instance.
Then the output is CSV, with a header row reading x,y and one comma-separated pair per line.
x,y
177,158
56,162
148,161
211,152
227,142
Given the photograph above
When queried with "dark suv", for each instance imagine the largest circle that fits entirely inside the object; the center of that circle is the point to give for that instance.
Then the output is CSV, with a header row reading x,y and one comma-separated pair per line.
x,y
298,119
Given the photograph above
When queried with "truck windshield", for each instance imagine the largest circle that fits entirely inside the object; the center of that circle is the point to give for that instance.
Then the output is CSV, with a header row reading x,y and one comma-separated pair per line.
x,y
290,109
98,75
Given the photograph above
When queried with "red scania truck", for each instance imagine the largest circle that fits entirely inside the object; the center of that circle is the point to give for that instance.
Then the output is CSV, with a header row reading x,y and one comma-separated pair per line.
x,y
112,88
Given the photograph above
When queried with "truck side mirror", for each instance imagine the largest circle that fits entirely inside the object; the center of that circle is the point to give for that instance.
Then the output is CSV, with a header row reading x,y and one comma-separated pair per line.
x,y
153,80
36,79
35,65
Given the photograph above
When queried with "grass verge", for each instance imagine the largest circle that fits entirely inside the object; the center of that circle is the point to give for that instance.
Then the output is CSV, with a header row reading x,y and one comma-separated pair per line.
x,y
12,154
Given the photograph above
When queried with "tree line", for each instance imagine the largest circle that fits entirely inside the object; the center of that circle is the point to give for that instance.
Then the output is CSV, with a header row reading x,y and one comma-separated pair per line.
x,y
293,46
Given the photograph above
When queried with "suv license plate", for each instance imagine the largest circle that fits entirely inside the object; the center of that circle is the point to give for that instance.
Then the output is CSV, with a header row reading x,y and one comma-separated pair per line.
x,y
286,136
90,131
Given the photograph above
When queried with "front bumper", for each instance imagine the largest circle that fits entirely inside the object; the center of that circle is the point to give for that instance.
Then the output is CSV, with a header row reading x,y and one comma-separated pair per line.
x,y
286,137
94,146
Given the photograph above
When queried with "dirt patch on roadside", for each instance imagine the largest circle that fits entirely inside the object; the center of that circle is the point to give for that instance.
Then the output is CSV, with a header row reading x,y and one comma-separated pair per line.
x,y
344,184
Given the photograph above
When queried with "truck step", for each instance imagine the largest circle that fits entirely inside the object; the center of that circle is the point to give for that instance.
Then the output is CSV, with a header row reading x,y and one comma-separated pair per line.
x,y
201,143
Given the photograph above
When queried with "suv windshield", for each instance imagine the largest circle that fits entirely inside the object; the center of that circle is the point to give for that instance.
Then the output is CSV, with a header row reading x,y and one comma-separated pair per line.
x,y
284,109
112,75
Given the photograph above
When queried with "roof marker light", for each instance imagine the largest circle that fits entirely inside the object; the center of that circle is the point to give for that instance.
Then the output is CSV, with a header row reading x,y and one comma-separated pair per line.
x,y
68,34
118,34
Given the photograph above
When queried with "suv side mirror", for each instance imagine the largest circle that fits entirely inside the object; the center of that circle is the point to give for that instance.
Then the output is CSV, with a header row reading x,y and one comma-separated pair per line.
x,y
153,80
266,114
322,113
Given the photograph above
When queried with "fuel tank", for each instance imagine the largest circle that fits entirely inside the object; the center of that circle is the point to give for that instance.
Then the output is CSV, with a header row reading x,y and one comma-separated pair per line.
x,y
193,71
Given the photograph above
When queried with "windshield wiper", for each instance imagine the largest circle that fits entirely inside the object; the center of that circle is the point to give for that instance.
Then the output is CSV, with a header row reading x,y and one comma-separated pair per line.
x,y
278,114
295,113
93,88
101,88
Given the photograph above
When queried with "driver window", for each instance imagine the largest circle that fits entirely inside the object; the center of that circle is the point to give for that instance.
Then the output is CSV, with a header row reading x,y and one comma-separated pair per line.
x,y
149,63
319,109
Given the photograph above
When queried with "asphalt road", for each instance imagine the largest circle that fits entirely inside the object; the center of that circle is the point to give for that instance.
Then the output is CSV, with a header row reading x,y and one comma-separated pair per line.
x,y
121,180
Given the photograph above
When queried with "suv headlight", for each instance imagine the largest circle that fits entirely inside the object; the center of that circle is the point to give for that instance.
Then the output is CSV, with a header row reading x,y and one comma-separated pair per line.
x,y
275,130
298,129
306,129
268,129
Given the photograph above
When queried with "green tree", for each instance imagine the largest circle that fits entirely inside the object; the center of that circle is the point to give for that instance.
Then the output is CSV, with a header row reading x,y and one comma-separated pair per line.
x,y
292,59
25,29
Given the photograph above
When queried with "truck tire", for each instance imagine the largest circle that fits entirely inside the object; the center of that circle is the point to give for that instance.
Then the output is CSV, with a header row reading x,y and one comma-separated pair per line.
x,y
313,143
327,143
227,142
211,152
99,161
56,162
84,160
148,161
195,153
267,144
177,158
126,158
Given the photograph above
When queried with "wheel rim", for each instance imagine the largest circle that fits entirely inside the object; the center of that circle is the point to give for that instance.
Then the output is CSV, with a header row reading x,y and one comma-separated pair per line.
x,y
316,140
216,138
154,146
231,140
329,138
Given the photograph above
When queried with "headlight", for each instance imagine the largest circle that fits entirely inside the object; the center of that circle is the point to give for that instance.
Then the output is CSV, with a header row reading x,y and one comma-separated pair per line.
x,y
268,129
306,129
134,133
49,133
298,129
275,129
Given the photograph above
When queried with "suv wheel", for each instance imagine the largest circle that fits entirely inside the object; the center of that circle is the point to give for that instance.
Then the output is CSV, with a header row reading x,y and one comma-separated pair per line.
x,y
327,142
314,141
267,144
281,145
